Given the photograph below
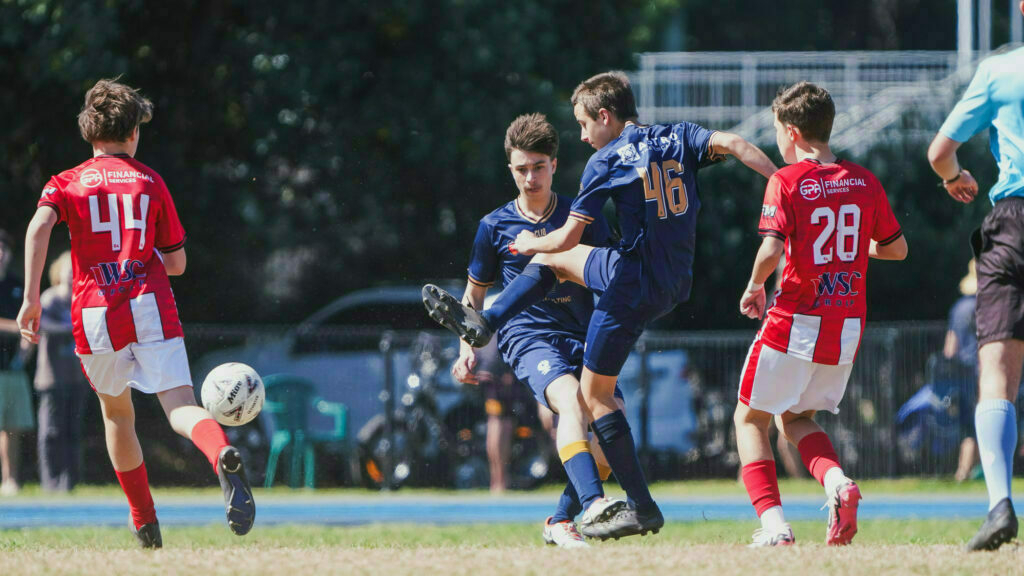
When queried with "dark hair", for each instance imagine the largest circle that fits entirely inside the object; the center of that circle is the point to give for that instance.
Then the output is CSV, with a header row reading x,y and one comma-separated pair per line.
x,y
808,107
112,111
531,133
608,90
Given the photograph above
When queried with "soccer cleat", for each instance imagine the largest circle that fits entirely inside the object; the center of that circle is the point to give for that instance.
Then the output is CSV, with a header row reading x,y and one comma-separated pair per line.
x,y
842,515
780,536
627,521
999,528
594,523
148,535
464,321
563,535
238,501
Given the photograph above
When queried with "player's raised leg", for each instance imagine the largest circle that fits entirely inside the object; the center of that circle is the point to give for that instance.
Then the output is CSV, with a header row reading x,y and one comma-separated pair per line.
x,y
126,457
759,476
821,460
995,420
196,424
528,288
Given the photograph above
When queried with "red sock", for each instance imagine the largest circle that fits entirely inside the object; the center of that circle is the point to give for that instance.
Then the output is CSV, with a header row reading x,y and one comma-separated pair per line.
x,y
818,455
209,437
762,485
135,484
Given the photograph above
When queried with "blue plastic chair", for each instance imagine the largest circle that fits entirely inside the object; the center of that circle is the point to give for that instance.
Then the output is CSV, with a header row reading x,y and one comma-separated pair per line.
x,y
289,399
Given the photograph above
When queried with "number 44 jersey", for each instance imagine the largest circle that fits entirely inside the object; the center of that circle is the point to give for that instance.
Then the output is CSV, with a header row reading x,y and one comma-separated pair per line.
x,y
827,214
120,217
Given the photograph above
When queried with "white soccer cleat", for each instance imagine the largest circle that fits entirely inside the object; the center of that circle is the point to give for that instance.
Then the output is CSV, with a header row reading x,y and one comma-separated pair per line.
x,y
563,535
597,518
780,536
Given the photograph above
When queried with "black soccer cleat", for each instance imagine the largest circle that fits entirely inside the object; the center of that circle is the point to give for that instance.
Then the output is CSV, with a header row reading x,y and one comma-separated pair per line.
x,y
999,528
464,321
628,521
238,502
148,535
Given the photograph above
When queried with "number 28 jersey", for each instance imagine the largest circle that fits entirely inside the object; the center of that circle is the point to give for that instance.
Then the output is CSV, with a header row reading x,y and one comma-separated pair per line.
x,y
120,216
827,214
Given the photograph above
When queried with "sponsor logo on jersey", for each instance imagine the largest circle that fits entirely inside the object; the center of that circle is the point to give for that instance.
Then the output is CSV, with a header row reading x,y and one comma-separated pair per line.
x,y
544,367
768,211
842,185
810,189
126,176
49,191
107,273
629,154
90,178
836,283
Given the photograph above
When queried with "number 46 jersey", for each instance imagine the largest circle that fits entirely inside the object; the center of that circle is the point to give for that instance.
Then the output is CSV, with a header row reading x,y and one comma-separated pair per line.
x,y
120,217
827,214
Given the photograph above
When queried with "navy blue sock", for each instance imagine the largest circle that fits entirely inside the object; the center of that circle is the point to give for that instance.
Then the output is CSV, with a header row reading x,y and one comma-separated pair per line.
x,y
582,471
525,290
613,434
568,505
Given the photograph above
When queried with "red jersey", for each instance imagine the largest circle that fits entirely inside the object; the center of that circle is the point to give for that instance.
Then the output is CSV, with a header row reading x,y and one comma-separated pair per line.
x,y
827,214
118,211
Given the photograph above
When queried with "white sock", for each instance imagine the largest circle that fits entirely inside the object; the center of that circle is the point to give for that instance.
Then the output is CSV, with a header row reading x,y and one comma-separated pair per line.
x,y
834,478
772,518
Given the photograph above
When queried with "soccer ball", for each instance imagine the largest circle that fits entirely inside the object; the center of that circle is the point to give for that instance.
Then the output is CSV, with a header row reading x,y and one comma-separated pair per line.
x,y
233,393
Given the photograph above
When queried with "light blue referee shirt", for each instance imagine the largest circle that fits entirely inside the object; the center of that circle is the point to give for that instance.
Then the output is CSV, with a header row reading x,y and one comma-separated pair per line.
x,y
995,98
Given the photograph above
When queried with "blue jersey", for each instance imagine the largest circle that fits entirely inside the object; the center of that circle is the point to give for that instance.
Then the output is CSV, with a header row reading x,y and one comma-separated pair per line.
x,y
566,310
650,172
995,100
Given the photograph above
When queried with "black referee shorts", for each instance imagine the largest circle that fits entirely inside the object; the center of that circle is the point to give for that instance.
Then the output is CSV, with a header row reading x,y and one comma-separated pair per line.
x,y
999,249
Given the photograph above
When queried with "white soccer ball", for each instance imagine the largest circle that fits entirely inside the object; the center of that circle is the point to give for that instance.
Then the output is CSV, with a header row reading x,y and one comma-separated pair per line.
x,y
233,393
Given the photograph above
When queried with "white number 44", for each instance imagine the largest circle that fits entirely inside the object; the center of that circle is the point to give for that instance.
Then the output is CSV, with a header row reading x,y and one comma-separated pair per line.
x,y
113,225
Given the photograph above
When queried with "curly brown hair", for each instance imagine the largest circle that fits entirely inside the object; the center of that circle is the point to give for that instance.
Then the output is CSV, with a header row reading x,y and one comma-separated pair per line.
x,y
112,112
531,133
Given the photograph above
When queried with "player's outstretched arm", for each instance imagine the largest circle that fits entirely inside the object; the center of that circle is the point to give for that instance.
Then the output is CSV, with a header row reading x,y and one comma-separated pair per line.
x,y
37,241
752,302
565,238
895,250
750,155
959,184
464,369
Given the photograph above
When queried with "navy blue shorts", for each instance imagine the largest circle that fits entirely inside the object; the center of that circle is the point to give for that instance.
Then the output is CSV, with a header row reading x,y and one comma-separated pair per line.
x,y
540,360
624,308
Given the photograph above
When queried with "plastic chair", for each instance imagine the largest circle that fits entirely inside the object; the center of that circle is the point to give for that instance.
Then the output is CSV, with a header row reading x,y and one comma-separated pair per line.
x,y
289,399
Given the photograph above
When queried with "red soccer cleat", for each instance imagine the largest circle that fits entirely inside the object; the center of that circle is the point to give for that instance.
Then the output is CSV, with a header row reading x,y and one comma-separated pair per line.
x,y
842,515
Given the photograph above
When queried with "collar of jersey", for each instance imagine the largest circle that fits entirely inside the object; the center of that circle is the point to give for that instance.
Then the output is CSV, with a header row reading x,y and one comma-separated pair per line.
x,y
122,155
547,211
820,163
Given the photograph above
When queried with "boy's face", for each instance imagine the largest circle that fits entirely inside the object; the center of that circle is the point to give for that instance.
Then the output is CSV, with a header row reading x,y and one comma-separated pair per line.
x,y
532,172
785,138
595,131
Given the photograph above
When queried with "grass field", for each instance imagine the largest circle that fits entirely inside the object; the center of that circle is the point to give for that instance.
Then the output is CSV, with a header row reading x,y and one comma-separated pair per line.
x,y
718,547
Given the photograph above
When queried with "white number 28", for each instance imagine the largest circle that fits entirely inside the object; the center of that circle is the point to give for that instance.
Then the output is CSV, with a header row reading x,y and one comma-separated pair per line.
x,y
847,232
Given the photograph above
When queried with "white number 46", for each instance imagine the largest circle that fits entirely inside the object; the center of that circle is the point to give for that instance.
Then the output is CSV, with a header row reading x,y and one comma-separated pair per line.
x,y
113,225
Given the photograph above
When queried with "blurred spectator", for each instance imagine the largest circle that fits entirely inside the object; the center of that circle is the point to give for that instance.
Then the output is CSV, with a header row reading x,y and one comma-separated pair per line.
x,y
61,386
15,396
504,396
962,347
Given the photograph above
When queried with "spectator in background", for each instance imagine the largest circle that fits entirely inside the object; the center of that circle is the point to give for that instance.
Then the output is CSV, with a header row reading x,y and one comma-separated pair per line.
x,y
62,387
15,396
500,387
961,347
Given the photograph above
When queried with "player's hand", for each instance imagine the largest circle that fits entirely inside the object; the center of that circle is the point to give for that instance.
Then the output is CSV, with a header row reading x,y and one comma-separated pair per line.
x,y
524,243
964,189
752,303
464,369
28,320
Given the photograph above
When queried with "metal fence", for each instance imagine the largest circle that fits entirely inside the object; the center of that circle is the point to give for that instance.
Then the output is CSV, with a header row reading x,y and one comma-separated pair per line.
x,y
680,390
875,91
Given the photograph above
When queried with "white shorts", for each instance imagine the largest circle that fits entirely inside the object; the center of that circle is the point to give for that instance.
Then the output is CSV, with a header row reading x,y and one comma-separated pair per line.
x,y
151,367
775,382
